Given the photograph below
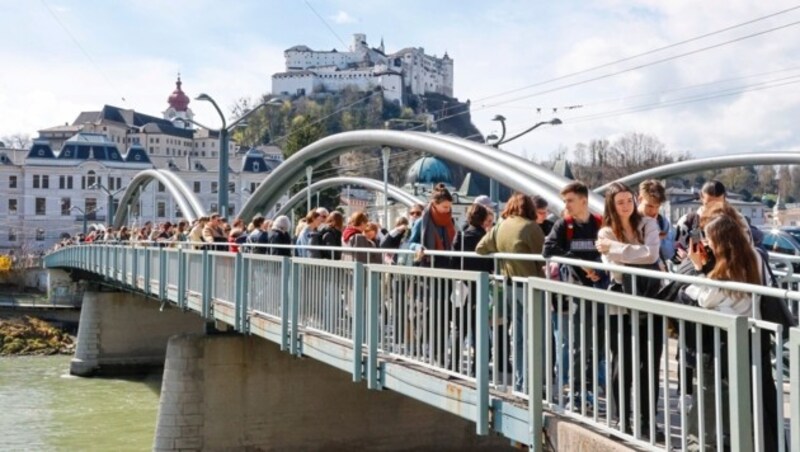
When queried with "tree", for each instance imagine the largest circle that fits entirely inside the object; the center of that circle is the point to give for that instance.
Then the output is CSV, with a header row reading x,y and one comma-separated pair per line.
x,y
767,178
785,185
17,141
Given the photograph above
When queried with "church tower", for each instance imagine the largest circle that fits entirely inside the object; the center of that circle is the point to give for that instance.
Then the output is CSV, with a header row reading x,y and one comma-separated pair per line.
x,y
179,112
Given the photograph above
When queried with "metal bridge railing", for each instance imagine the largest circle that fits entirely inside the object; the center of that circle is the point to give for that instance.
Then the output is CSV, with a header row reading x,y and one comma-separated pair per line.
x,y
537,343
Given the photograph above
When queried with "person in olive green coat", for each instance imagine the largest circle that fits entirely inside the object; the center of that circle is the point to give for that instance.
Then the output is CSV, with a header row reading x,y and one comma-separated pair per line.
x,y
516,233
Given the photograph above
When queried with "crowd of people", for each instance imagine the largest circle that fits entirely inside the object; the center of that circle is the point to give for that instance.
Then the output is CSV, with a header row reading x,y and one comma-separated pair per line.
x,y
715,242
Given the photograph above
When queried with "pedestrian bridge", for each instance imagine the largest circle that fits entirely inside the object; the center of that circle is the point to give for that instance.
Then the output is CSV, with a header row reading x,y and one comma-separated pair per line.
x,y
456,340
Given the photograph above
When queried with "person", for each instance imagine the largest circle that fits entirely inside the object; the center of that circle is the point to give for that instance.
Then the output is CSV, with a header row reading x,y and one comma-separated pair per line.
x,y
213,233
330,234
517,233
435,230
279,235
485,201
353,237
395,239
312,221
258,235
629,238
371,232
467,241
237,236
196,233
651,196
736,262
573,236
712,192
541,214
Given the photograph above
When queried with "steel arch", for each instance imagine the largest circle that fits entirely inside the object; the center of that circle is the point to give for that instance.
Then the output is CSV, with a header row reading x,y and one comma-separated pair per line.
x,y
133,192
180,184
453,149
691,166
374,184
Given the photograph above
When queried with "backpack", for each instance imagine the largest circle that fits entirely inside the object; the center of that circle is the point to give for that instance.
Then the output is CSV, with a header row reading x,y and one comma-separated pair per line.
x,y
774,309
570,222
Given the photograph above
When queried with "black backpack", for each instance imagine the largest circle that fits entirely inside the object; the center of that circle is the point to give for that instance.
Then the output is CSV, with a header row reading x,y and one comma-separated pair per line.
x,y
774,309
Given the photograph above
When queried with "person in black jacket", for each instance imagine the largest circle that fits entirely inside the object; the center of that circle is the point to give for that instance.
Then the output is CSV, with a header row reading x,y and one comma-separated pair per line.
x,y
465,321
330,234
279,235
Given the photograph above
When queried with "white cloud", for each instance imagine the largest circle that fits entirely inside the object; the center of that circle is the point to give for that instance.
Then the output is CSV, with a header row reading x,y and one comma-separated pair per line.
x,y
342,17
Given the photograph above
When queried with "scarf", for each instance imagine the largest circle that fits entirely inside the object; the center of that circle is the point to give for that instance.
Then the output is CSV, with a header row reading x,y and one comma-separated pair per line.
x,y
349,232
438,230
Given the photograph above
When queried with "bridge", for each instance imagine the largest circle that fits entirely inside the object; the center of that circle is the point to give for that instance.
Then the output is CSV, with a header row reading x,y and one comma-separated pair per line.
x,y
478,367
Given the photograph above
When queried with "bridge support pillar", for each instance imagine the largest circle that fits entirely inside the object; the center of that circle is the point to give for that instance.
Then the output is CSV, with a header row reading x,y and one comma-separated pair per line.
x,y
233,392
121,332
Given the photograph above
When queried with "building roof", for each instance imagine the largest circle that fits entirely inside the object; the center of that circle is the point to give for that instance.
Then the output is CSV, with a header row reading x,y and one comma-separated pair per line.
x,y
41,150
137,154
178,99
304,73
563,168
167,128
299,48
90,146
429,170
123,116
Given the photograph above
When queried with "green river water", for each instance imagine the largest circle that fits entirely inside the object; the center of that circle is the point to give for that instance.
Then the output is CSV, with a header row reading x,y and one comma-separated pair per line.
x,y
43,408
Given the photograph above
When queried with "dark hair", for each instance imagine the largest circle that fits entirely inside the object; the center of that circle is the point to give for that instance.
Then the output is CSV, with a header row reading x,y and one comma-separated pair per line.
x,y
335,220
610,216
576,187
713,188
539,202
440,194
258,221
652,189
519,205
476,215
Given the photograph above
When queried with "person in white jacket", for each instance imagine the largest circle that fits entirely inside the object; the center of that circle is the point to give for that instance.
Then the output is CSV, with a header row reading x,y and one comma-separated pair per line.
x,y
629,238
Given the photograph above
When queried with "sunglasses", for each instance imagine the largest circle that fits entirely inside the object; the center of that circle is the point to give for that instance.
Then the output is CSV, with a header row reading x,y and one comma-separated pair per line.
x,y
415,213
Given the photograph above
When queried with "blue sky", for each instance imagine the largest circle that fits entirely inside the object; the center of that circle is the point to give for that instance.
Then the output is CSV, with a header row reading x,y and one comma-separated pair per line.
x,y
60,57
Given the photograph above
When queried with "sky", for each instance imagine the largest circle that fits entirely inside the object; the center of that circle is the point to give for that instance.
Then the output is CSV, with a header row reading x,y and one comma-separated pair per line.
x,y
528,61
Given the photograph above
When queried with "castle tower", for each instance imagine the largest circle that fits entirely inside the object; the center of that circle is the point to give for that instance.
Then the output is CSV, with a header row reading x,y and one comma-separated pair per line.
x,y
179,112
447,75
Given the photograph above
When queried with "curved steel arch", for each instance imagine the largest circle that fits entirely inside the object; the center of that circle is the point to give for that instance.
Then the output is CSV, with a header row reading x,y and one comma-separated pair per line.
x,y
691,166
180,184
395,192
538,172
140,181
454,149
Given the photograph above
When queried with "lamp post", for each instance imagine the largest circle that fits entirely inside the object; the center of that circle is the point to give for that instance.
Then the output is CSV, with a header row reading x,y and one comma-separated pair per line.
x,y
110,198
494,187
385,152
84,215
224,132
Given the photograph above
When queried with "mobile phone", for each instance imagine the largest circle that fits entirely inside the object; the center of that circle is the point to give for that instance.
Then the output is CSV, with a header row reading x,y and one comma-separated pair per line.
x,y
696,235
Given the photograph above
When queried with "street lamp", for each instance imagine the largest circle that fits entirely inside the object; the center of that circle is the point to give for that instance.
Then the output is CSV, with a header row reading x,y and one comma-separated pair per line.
x,y
110,199
84,215
223,147
494,188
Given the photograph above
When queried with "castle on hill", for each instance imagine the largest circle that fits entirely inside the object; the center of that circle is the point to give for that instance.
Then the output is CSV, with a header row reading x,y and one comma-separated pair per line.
x,y
408,71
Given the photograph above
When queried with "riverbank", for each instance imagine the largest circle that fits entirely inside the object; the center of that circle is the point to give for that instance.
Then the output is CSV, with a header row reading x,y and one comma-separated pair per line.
x,y
26,335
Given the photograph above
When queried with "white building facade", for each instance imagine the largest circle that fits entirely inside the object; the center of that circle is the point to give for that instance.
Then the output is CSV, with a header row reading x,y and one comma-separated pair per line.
x,y
408,71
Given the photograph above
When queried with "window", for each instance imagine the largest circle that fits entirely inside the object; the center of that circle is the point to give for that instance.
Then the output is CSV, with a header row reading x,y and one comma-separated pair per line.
x,y
41,206
66,206
69,182
160,187
12,181
178,212
213,207
231,187
40,235
136,210
12,235
62,182
45,181
12,206
213,187
231,209
197,187
36,181
253,186
91,178
162,209
256,167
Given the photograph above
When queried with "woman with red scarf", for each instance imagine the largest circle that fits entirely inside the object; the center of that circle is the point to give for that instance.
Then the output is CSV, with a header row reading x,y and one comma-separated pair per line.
x,y
436,229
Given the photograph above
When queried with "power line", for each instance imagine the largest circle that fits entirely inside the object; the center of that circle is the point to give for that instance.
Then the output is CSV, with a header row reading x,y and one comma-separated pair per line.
x,y
317,121
324,22
82,49
639,55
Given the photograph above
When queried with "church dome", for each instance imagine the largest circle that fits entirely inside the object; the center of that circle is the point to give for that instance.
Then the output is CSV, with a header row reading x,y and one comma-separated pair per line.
x,y
178,99
429,170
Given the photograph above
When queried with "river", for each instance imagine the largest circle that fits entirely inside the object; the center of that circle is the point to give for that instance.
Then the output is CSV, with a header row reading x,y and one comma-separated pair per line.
x,y
42,407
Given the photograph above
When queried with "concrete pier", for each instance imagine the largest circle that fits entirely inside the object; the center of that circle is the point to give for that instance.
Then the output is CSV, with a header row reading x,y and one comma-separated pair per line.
x,y
121,332
233,392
